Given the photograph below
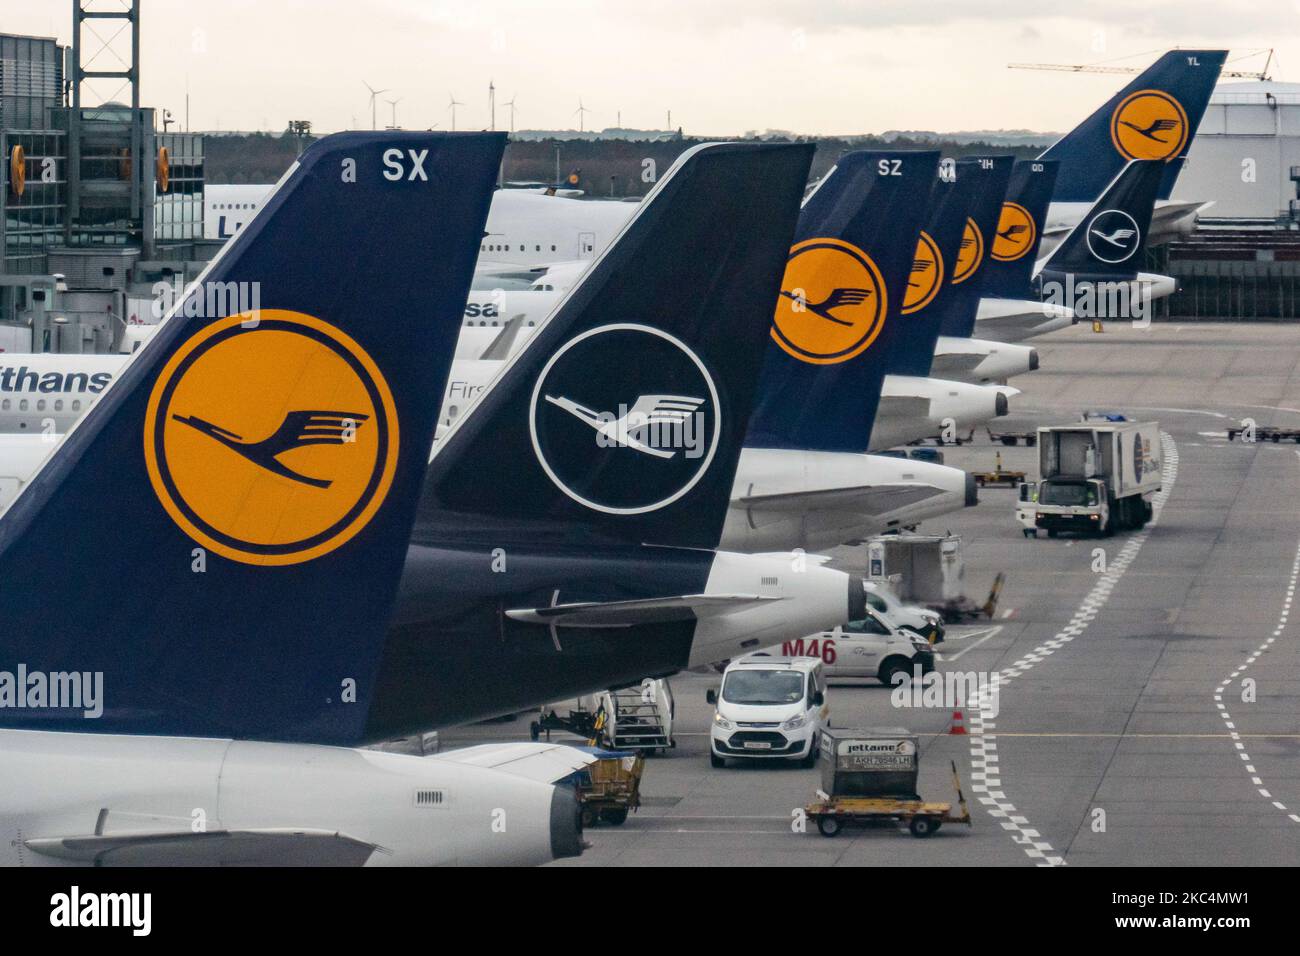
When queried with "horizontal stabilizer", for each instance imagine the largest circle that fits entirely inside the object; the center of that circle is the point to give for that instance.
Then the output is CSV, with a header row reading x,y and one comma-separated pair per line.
x,y
867,500
904,406
955,365
544,763
686,607
266,847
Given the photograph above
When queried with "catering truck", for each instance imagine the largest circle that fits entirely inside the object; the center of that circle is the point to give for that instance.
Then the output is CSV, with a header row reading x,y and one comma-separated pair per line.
x,y
1095,477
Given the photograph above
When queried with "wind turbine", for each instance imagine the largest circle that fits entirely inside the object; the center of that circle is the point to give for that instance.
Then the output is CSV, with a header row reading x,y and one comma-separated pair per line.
x,y
373,93
581,112
511,106
393,104
452,103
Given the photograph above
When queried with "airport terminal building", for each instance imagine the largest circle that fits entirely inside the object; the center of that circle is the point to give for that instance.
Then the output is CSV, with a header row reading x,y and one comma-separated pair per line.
x,y
98,205
1243,262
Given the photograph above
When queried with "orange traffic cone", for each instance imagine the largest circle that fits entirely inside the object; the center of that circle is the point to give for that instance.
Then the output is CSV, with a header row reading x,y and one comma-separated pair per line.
x,y
957,728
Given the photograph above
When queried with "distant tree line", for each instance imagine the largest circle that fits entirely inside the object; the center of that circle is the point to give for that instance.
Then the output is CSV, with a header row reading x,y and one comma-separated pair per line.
x,y
609,167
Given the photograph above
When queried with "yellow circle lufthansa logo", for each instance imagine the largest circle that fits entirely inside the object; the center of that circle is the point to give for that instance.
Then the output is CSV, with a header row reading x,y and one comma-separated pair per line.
x,y
971,254
271,444
1016,233
17,170
926,276
832,303
1149,124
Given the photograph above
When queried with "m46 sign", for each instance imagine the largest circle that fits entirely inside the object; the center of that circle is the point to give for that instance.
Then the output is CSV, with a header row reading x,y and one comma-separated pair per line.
x,y
811,647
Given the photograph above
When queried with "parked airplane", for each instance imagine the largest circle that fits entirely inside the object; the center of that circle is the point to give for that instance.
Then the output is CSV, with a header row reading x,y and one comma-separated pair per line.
x,y
1153,117
187,722
552,558
1097,270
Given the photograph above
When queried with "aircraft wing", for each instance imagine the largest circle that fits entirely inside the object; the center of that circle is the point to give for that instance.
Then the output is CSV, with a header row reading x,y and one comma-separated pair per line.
x,y
863,499
262,847
500,348
685,607
544,763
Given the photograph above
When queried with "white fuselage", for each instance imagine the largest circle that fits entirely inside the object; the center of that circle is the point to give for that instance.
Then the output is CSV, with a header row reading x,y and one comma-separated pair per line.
x,y
524,228
62,786
47,392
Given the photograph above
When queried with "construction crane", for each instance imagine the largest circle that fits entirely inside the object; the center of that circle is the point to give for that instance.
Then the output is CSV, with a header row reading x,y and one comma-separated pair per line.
x,y
1102,68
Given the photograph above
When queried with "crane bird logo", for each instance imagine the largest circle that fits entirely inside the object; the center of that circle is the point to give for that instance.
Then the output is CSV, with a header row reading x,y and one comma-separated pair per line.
x,y
1015,235
832,303
298,430
1149,124
1113,236
657,425
271,443
617,458
970,254
926,275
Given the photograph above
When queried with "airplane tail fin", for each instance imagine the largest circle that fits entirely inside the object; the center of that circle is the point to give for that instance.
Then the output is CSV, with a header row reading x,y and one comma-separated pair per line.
x,y
961,303
939,250
625,416
1109,240
1153,117
840,316
1010,266
221,537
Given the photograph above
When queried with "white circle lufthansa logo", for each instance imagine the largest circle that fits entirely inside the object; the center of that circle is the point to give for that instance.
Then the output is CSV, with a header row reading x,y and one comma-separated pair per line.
x,y
1113,236
625,419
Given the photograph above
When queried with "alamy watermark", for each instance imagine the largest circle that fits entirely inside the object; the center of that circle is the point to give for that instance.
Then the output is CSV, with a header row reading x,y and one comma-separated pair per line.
x,y
23,689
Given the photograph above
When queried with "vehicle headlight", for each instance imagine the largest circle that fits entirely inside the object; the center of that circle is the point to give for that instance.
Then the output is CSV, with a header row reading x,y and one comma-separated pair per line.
x,y
794,723
722,722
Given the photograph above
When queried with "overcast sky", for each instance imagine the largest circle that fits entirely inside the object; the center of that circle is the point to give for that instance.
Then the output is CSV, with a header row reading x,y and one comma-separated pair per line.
x,y
721,66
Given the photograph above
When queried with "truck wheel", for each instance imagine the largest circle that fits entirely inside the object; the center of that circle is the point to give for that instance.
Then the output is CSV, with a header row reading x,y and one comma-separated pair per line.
x,y
715,761
829,826
923,826
892,666
589,818
1051,533
616,817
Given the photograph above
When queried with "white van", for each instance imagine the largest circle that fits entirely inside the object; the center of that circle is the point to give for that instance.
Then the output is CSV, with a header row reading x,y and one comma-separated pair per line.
x,y
867,648
770,708
911,617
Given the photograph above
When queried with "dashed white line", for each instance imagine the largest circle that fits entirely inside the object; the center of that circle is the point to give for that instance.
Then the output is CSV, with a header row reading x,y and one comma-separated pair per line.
x,y
1256,781
985,774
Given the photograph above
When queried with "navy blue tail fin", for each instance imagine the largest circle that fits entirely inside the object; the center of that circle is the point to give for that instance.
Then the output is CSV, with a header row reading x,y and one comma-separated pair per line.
x,y
222,535
937,254
1010,265
625,416
961,303
1153,117
1109,240
839,314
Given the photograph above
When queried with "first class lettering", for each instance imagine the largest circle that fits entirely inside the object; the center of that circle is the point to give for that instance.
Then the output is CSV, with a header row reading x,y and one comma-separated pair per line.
x,y
22,379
